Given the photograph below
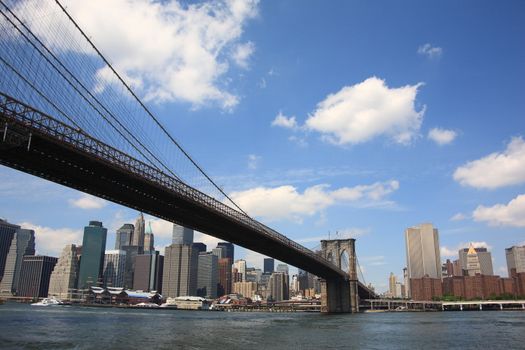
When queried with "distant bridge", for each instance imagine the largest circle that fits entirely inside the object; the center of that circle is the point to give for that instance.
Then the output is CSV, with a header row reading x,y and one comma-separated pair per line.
x,y
55,126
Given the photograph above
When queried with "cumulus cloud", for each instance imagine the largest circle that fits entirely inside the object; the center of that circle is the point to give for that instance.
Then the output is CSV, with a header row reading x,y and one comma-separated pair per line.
x,y
369,109
510,214
495,170
87,201
51,241
287,203
442,136
447,252
168,50
253,161
284,121
430,51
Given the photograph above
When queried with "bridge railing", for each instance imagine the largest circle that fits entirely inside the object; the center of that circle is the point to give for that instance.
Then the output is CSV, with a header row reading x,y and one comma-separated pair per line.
x,y
46,125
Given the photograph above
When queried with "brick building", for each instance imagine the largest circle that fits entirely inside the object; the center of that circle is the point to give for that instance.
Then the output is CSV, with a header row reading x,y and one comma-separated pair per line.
x,y
425,288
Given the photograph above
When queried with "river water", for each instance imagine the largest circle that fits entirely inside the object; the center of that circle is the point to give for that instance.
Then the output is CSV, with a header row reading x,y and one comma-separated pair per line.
x,y
29,327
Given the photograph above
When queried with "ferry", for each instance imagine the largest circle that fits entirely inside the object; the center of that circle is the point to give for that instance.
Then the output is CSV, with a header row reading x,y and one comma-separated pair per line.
x,y
48,302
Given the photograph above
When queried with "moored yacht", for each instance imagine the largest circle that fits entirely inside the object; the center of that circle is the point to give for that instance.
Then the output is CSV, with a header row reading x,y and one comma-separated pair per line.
x,y
48,302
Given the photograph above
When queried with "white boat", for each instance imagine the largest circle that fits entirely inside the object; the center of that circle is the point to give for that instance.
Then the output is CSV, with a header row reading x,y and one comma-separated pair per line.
x,y
48,302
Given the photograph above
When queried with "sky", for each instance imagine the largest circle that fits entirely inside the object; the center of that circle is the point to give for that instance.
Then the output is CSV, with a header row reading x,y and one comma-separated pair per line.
x,y
321,119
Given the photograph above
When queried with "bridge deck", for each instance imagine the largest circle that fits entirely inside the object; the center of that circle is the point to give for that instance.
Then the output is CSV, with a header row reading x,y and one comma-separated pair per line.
x,y
38,144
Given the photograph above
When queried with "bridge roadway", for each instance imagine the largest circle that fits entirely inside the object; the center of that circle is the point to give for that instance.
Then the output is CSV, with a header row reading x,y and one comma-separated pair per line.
x,y
38,144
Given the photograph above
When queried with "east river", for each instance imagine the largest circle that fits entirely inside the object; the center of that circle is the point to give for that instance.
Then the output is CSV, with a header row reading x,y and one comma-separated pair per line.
x,y
28,327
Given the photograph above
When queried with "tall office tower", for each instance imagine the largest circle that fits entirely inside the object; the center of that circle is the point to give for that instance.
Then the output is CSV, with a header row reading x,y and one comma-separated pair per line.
x,y
282,268
305,280
515,259
35,275
64,276
138,233
240,265
392,284
23,243
269,265
422,247
114,268
180,270
277,287
149,241
473,265
483,256
228,250
182,235
129,271
406,282
208,275
218,252
148,272
225,277
200,247
7,231
246,289
253,274
124,236
93,248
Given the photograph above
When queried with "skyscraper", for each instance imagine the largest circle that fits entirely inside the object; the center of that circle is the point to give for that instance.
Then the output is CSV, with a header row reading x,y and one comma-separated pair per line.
x,y
93,248
148,272
180,270
392,284
124,236
515,259
225,277
149,241
228,250
269,265
473,265
277,287
35,275
208,275
182,235
240,266
7,231
23,243
114,268
64,276
139,232
422,247
484,259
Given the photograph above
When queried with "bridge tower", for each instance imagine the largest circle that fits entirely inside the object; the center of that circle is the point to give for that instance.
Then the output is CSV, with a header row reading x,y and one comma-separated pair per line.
x,y
340,295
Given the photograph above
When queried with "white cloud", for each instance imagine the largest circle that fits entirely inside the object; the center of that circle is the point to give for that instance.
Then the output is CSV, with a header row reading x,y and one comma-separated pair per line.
x,y
253,161
87,201
286,203
299,141
284,121
361,112
430,51
453,251
169,50
511,214
458,217
51,241
496,169
372,261
242,54
442,136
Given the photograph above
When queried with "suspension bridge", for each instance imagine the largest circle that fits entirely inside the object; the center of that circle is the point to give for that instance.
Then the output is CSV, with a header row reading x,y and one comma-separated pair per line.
x,y
68,116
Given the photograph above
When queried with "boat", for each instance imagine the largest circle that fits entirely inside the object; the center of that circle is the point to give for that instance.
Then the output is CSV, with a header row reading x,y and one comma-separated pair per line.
x,y
147,305
48,302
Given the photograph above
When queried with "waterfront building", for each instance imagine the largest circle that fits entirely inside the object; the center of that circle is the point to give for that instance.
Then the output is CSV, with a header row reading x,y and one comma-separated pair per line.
x,y
484,287
225,276
425,288
228,251
93,248
35,274
182,235
64,276
457,269
278,287
180,270
246,289
7,232
208,275
148,272
240,266
23,243
114,268
124,236
269,265
480,261
139,233
515,259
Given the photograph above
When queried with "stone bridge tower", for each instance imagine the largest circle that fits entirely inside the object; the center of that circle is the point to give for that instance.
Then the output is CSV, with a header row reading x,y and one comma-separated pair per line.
x,y
341,294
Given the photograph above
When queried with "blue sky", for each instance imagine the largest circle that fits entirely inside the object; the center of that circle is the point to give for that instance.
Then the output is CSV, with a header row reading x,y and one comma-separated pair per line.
x,y
357,117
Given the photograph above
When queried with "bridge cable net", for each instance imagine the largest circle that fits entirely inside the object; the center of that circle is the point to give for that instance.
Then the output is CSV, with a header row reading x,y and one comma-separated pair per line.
x,y
49,63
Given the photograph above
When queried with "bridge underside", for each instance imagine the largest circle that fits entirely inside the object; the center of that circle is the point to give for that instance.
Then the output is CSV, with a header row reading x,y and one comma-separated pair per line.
x,y
40,155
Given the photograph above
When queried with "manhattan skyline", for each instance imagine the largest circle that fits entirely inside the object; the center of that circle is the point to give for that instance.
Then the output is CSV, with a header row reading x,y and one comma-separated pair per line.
x,y
330,117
